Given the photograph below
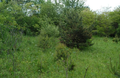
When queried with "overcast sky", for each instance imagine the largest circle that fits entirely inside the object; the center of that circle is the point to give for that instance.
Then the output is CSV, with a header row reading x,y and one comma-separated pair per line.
x,y
97,5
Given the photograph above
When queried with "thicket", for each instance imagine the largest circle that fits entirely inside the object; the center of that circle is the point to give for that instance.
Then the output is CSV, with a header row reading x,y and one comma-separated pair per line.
x,y
30,25
10,32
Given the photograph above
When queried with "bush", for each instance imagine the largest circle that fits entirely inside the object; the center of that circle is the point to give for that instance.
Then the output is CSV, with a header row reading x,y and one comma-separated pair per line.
x,y
46,42
50,31
115,69
30,24
63,55
42,67
61,52
116,39
10,31
72,32
10,38
48,37
118,30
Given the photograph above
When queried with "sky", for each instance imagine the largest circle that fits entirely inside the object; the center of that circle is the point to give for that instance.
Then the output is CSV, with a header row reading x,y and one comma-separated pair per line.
x,y
101,5
98,5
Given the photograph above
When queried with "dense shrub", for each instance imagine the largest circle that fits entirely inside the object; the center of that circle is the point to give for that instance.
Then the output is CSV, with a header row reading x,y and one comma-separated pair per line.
x,y
118,30
64,54
61,52
115,68
10,39
42,67
50,30
115,18
116,39
46,42
72,32
10,31
30,24
50,10
48,37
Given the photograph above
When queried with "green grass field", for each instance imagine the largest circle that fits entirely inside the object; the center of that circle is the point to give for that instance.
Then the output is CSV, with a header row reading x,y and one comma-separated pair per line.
x,y
33,62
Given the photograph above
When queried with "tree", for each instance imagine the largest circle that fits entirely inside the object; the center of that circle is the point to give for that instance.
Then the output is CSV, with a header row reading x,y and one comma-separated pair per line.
x,y
48,9
103,22
88,17
115,17
51,11
9,29
73,34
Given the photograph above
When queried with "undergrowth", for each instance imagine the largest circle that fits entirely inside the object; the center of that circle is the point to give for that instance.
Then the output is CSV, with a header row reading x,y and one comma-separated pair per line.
x,y
32,62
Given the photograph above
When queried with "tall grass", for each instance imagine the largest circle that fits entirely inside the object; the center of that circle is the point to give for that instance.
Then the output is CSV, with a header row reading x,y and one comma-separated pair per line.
x,y
32,62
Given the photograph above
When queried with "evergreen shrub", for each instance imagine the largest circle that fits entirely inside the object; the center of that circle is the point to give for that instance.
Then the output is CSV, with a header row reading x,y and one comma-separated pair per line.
x,y
72,32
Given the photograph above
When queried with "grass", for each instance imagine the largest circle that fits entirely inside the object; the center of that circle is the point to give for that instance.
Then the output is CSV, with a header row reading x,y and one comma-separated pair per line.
x,y
32,62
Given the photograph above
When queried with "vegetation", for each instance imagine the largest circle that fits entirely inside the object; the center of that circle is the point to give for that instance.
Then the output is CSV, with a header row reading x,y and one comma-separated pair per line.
x,y
116,68
73,34
31,60
64,39
103,25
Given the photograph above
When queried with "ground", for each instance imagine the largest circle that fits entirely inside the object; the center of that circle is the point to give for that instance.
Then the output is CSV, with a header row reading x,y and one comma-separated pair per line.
x,y
29,61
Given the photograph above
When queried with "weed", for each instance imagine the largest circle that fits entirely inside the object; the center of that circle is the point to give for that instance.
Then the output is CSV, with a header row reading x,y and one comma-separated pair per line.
x,y
116,68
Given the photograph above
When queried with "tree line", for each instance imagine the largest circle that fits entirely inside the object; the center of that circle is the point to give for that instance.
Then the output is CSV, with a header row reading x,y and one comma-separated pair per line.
x,y
73,22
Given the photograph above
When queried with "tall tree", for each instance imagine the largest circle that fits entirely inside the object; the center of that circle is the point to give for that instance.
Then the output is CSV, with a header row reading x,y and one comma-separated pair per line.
x,y
88,17
104,26
115,17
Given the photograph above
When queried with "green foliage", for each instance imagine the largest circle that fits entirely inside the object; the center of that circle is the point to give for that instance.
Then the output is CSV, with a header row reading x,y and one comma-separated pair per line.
x,y
64,54
73,34
47,36
42,67
12,14
34,25
14,9
30,24
48,9
34,8
29,60
115,18
103,25
88,17
10,39
50,30
46,42
51,11
7,19
116,39
3,34
76,4
115,69
118,30
74,31
10,31
2,6
105,39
